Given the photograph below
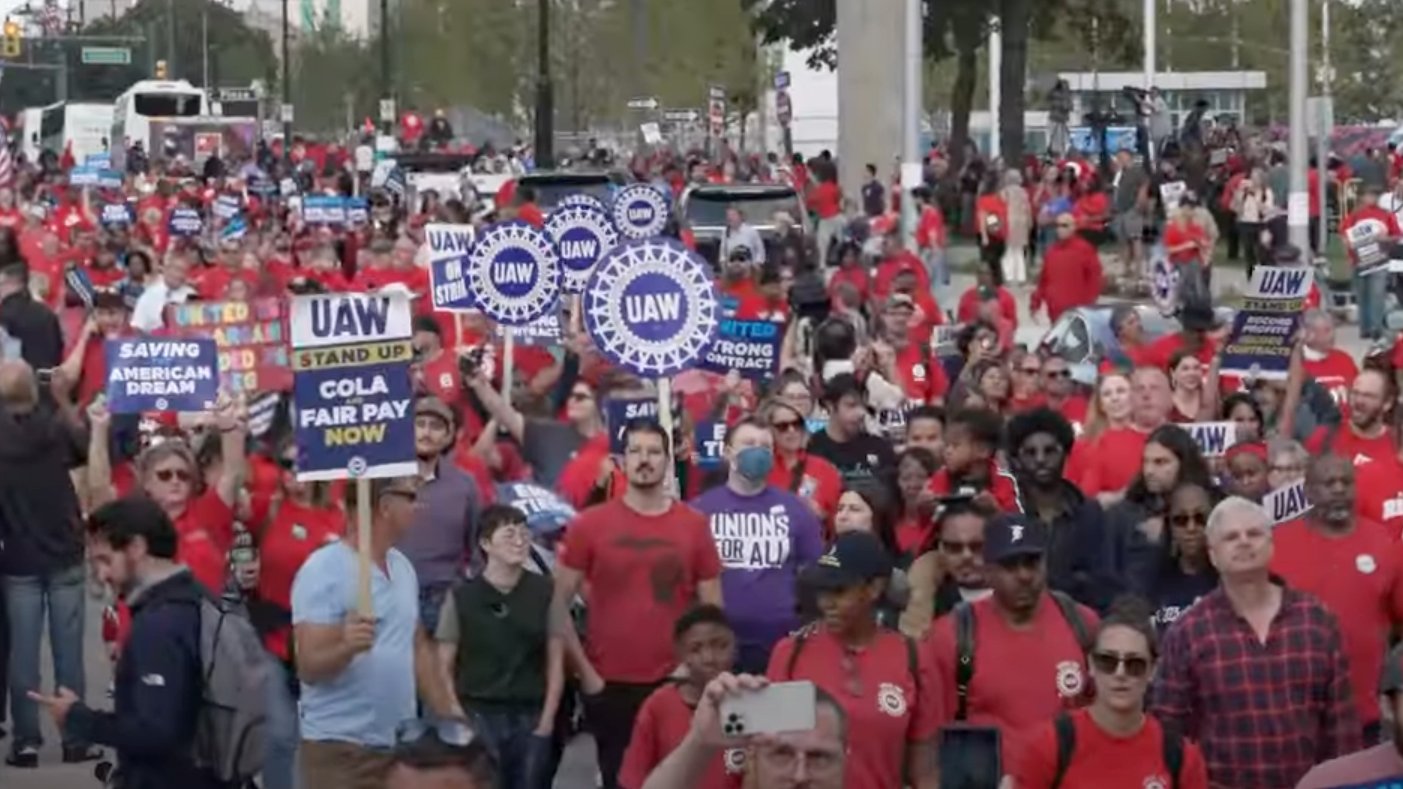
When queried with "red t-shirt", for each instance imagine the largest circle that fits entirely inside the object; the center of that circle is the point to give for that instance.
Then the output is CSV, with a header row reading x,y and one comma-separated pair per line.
x,y
819,481
642,573
1001,486
993,206
662,723
1103,761
887,707
1073,409
1359,577
922,376
1178,233
1384,221
1335,372
1111,461
930,230
1349,444
578,475
1091,211
855,276
1158,353
1378,487
206,561
826,200
888,269
208,513
283,547
1022,677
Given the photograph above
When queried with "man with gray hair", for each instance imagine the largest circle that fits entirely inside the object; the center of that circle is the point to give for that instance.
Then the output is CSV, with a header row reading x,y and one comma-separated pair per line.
x,y
1325,364
1256,671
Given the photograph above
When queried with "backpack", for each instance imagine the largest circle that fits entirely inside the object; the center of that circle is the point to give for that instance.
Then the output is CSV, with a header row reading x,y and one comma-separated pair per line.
x,y
802,637
1172,748
231,726
964,644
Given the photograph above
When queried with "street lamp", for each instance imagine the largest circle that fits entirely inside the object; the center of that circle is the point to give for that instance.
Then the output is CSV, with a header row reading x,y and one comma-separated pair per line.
x,y
545,93
287,88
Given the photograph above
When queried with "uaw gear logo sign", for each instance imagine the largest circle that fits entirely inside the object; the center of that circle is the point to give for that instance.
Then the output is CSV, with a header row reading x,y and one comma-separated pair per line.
x,y
514,273
1164,285
891,700
650,307
582,234
1069,679
582,199
640,211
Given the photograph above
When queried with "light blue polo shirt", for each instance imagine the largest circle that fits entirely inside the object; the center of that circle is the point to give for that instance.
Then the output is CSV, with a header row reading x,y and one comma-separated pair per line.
x,y
376,692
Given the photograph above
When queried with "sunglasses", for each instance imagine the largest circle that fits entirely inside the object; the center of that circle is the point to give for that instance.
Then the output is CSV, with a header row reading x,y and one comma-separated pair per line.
x,y
955,546
787,425
1136,666
1065,225
168,474
449,731
580,397
1057,373
1185,518
1030,370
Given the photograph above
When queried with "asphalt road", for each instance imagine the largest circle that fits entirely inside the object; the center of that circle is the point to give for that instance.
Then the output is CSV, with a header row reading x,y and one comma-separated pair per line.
x,y
578,770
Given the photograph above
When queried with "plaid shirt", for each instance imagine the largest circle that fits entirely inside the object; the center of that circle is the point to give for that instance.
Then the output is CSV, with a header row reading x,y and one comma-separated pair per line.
x,y
1263,713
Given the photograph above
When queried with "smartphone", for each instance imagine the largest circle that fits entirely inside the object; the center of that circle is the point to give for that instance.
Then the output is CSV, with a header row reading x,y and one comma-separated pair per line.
x,y
776,708
970,758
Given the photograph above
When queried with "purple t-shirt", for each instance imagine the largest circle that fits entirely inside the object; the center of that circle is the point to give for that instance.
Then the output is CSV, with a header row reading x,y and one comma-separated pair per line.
x,y
763,541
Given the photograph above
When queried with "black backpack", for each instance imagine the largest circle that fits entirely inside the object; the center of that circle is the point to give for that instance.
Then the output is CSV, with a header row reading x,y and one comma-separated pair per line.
x,y
1172,749
964,644
802,637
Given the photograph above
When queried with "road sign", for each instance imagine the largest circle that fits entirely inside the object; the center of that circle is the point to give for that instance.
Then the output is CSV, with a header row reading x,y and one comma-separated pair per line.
x,y
1320,115
650,103
716,110
237,94
287,113
781,80
784,107
387,110
682,116
107,56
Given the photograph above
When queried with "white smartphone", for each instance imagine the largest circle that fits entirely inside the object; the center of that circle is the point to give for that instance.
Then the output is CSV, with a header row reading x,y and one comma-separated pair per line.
x,y
776,708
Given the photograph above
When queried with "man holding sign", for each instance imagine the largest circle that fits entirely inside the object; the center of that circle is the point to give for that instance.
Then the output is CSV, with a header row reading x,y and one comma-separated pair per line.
x,y
1369,232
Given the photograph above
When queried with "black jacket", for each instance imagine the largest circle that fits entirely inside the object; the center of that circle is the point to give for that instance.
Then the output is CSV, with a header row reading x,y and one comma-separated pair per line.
x,y
35,326
40,522
1080,557
157,692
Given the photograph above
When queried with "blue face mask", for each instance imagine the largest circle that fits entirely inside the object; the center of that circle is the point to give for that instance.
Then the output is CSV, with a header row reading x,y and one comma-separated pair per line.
x,y
754,463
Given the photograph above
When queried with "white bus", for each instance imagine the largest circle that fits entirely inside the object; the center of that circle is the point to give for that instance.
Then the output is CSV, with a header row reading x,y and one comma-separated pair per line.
x,y
147,99
79,126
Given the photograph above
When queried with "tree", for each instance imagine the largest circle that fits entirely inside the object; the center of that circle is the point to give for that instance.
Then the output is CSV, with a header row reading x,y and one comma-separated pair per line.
x,y
333,76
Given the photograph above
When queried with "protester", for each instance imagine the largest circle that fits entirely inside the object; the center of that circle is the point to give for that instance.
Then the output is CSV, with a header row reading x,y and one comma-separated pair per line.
x,y
948,570
1182,573
27,320
1382,762
462,762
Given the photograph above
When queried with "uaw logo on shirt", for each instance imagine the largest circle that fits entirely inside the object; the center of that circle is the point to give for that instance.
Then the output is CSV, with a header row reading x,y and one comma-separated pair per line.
x,y
891,699
734,759
1156,782
1393,508
1069,679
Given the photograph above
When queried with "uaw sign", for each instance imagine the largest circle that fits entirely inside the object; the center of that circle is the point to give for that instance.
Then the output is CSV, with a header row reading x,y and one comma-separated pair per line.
x,y
351,386
513,273
751,348
449,246
1214,438
582,234
1264,330
150,374
640,211
650,307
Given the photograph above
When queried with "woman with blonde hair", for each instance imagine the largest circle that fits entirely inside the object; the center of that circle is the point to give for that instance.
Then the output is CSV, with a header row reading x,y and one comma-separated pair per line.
x,y
1019,230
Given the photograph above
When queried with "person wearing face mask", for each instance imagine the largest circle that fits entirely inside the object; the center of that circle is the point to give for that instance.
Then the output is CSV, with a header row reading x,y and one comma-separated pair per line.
x,y
1113,742
1352,565
764,534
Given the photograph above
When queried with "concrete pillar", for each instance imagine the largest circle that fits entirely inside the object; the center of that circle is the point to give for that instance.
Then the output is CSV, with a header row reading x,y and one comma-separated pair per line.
x,y
870,36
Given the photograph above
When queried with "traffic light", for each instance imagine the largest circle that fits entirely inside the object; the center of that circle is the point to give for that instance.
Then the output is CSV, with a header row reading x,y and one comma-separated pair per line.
x,y
160,69
13,35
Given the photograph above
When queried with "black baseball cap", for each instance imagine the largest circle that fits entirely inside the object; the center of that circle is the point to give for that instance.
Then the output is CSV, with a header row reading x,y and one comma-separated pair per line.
x,y
853,559
1012,536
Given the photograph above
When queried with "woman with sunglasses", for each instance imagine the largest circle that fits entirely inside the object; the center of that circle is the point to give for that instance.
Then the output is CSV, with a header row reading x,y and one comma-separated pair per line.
x,y
1183,572
810,477
1113,742
879,677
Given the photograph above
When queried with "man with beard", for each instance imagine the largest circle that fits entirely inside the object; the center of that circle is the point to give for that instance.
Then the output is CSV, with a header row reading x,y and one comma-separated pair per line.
x,y
1364,436
445,521
1382,761
1353,566
1079,559
1018,657
647,558
952,572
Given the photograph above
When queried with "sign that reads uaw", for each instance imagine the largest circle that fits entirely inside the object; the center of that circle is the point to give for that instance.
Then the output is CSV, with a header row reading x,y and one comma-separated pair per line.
x,y
251,337
640,211
650,307
1214,438
1260,344
582,235
513,273
351,386
618,412
1287,503
751,348
146,374
449,246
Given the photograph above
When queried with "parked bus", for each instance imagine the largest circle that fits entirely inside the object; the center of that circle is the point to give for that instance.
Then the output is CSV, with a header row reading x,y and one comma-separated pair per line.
x,y
146,100
79,126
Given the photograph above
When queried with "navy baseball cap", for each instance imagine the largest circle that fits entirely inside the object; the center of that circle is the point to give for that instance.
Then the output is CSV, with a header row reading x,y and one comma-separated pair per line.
x,y
853,559
1011,536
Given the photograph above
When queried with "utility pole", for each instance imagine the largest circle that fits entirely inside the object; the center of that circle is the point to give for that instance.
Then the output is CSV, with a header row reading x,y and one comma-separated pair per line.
x,y
996,59
1325,124
204,46
1151,12
545,99
912,173
285,112
387,94
1298,202
170,39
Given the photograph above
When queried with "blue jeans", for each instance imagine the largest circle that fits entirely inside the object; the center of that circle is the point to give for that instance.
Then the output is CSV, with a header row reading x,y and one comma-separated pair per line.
x,y
1370,292
524,760
430,604
26,599
280,747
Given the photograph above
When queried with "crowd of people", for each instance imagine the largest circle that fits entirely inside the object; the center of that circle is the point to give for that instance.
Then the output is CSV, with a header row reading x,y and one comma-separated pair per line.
x,y
936,525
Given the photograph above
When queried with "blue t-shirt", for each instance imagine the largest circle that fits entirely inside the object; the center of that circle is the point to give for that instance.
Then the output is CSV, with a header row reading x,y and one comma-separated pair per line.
x,y
375,694
763,540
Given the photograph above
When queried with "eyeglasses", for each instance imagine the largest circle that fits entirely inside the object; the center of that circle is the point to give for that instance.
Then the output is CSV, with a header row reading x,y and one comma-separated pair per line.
x,y
1136,666
168,474
787,425
955,546
1030,370
1065,225
580,397
449,731
1185,518
513,533
1057,373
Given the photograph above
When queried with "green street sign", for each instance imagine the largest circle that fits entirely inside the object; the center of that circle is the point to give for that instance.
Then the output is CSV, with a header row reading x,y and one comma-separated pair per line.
x,y
107,56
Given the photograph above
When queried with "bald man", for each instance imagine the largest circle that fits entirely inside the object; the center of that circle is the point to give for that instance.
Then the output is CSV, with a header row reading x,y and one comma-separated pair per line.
x,y
41,564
